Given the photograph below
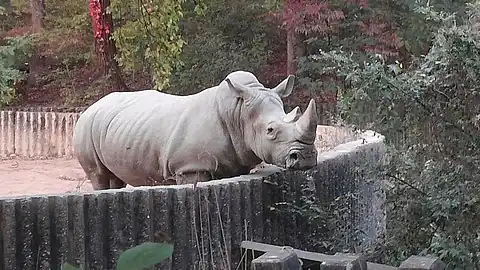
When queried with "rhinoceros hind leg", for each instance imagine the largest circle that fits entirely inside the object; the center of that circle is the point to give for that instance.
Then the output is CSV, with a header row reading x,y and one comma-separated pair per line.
x,y
99,181
104,179
115,182
100,177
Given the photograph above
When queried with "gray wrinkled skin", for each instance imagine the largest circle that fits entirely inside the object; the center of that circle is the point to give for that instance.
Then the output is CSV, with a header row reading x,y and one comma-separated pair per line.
x,y
152,138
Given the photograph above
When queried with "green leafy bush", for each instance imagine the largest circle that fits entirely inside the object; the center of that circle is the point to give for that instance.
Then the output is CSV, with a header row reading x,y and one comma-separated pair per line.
x,y
429,112
139,257
68,15
58,14
14,55
148,36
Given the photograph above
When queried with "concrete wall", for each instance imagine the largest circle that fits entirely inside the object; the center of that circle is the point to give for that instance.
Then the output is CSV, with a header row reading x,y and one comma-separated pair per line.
x,y
207,224
36,134
343,170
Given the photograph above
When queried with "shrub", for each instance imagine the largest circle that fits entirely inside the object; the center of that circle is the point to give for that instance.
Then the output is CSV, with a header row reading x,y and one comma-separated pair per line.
x,y
14,55
430,115
68,15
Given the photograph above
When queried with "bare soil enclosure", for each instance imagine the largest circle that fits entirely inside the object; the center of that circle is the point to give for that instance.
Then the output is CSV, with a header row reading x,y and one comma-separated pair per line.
x,y
34,177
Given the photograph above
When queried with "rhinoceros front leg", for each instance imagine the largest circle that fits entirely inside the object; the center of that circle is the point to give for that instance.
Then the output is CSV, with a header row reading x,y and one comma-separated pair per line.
x,y
192,177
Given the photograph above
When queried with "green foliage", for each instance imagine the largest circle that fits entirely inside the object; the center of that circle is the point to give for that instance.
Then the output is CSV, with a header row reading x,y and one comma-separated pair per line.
x,y
216,44
16,51
13,56
60,17
68,15
58,13
9,15
324,225
429,113
408,19
145,255
148,34
139,257
67,266
21,5
391,23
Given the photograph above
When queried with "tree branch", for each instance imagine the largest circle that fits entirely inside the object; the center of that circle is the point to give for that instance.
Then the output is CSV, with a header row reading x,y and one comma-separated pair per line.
x,y
406,183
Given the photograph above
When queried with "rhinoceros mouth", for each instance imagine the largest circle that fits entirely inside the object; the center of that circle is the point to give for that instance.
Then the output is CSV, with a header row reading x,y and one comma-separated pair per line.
x,y
293,159
299,159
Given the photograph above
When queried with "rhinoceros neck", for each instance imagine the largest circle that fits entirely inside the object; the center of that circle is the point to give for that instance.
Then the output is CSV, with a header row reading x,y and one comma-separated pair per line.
x,y
229,108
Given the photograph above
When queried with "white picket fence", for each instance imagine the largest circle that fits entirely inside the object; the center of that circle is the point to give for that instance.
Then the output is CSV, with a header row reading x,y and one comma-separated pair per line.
x,y
29,134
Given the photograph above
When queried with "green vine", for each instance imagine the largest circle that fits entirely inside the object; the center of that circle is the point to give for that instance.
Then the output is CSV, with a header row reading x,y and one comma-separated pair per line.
x,y
149,33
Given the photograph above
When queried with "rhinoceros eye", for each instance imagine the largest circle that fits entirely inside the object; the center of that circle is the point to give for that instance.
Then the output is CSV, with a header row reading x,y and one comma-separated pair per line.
x,y
271,133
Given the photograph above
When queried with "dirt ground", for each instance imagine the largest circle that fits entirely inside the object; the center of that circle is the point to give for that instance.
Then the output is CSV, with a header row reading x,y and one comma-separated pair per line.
x,y
32,177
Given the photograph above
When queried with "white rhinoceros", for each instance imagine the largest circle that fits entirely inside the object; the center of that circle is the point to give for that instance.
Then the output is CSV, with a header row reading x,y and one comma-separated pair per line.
x,y
151,138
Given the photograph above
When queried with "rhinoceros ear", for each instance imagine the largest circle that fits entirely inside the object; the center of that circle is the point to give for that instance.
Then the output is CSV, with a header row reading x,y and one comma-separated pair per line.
x,y
285,88
241,89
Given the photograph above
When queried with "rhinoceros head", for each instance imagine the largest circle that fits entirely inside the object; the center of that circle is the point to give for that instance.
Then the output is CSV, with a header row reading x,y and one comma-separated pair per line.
x,y
285,140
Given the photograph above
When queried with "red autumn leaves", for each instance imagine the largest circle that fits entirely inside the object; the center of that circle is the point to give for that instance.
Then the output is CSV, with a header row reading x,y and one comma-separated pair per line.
x,y
317,17
101,29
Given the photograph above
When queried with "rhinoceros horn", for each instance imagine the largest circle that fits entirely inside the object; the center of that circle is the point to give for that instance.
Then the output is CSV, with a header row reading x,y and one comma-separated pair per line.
x,y
293,115
307,123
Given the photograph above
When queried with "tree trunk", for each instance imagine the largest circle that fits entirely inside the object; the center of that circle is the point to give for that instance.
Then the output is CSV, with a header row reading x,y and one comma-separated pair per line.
x,y
102,23
300,46
291,51
110,50
37,9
